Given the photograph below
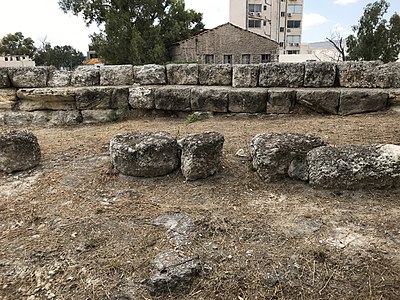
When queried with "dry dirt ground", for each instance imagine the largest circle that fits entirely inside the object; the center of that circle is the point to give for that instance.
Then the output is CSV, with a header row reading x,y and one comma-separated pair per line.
x,y
74,229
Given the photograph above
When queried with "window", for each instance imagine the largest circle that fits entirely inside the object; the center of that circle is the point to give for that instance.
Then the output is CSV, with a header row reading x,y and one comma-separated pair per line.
x,y
265,7
209,58
293,39
265,58
293,52
246,59
254,8
6,58
281,44
227,59
17,58
295,8
265,22
281,29
254,23
293,24
282,14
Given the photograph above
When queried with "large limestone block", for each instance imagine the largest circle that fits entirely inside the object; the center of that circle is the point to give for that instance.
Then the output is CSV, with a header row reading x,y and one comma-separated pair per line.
x,y
65,118
245,75
282,75
149,74
201,155
18,118
59,78
8,99
85,76
183,74
19,150
215,74
141,97
116,75
46,98
248,100
355,167
144,154
90,98
213,99
365,74
279,155
362,101
175,98
4,78
29,77
94,116
281,101
322,100
320,74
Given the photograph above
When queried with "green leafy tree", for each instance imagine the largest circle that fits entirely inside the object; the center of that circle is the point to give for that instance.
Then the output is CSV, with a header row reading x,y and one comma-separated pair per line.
x,y
375,38
136,31
17,44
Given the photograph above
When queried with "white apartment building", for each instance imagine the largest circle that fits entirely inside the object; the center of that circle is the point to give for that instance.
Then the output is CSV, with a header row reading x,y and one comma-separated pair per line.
x,y
15,61
279,20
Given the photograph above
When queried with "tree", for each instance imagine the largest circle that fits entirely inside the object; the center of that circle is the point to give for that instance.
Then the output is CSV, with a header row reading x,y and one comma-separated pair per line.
x,y
375,38
136,31
338,42
17,44
62,57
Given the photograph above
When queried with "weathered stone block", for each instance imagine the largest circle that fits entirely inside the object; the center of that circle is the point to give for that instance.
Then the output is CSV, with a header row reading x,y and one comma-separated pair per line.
x,y
320,74
59,78
355,167
144,154
172,98
4,78
20,118
282,75
252,100
89,98
322,101
214,99
183,74
215,74
141,97
116,75
201,155
85,76
245,75
28,76
281,101
66,118
8,99
362,101
362,74
93,116
19,150
279,155
46,98
150,74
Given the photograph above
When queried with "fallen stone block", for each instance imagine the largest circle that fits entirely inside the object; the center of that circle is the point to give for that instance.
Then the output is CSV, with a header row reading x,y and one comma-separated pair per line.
x,y
116,75
320,74
149,74
144,154
4,78
354,167
281,101
85,76
8,99
175,98
46,98
251,100
245,75
362,101
28,77
201,155
179,225
141,97
213,99
59,78
322,100
19,151
279,155
282,75
183,74
215,74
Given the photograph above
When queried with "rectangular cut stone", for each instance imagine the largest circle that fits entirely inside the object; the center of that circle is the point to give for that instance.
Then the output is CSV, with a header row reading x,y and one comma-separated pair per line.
x,y
215,74
141,97
320,100
356,101
89,98
248,100
8,99
46,98
245,75
183,74
320,74
281,101
99,116
116,75
19,118
4,79
65,118
29,77
150,74
85,76
120,97
175,98
214,99
281,75
59,78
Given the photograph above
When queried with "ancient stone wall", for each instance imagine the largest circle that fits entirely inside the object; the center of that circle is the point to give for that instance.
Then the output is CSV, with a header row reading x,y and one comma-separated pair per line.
x,y
44,95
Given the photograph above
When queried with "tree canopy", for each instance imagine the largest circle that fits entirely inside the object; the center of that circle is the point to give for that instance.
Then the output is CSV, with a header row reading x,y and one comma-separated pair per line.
x,y
62,57
136,31
17,44
375,38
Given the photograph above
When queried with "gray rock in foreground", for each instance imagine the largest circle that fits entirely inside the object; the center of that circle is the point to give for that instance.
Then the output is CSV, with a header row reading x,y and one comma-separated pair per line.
x,y
355,167
179,226
279,155
201,154
144,154
19,150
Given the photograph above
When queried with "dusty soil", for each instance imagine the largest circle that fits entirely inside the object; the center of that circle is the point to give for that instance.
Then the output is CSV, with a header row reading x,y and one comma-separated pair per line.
x,y
75,229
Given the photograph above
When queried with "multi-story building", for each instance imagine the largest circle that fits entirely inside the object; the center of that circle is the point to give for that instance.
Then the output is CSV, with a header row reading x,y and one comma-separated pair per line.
x,y
279,20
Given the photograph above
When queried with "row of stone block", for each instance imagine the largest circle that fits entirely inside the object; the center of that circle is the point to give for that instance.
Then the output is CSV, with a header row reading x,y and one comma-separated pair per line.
x,y
312,74
196,98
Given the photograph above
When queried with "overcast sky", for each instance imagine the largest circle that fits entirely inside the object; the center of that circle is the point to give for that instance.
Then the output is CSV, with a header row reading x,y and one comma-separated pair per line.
x,y
40,19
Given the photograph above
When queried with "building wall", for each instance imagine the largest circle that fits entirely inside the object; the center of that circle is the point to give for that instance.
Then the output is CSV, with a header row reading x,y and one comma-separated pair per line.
x,y
14,61
225,40
273,17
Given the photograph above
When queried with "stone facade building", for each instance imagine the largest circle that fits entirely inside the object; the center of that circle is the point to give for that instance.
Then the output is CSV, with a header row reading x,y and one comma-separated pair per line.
x,y
226,44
